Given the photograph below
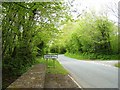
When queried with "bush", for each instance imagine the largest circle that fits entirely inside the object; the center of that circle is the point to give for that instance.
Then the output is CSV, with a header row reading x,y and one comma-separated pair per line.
x,y
54,49
92,56
57,49
62,50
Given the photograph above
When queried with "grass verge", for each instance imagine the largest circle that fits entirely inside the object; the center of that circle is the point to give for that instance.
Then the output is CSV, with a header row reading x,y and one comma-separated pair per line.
x,y
117,65
53,67
92,56
58,69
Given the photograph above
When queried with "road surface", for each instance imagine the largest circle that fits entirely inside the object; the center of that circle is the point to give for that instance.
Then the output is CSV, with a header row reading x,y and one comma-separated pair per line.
x,y
89,74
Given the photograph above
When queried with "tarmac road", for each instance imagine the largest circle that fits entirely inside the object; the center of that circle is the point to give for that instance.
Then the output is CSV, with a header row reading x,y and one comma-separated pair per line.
x,y
90,75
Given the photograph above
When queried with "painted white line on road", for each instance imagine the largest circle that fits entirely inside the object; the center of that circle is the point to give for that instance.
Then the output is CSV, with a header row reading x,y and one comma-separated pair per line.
x,y
75,81
72,78
100,63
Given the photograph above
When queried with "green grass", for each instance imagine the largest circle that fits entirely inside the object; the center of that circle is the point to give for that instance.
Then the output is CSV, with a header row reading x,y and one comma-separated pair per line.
x,y
76,56
117,65
92,56
53,67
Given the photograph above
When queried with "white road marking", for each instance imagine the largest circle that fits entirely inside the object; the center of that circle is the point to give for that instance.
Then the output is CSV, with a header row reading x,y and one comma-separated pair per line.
x,y
75,81
100,63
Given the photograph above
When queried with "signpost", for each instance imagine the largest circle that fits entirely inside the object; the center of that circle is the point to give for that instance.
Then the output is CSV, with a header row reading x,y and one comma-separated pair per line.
x,y
52,57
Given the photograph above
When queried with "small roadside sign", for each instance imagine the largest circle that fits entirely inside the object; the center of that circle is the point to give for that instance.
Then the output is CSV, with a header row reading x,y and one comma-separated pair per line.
x,y
50,56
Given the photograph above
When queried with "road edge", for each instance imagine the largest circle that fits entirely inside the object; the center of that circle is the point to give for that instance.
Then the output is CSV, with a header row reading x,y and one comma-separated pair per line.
x,y
74,80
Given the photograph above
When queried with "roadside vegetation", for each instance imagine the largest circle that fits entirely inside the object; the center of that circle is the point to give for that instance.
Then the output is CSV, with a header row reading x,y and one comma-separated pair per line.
x,y
53,66
27,29
92,56
117,65
32,29
89,37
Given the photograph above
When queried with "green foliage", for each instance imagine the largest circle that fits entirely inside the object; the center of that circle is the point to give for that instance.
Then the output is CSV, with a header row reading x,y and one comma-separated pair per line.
x,y
27,28
62,50
117,65
58,43
54,49
95,37
98,35
74,44
58,49
92,56
58,69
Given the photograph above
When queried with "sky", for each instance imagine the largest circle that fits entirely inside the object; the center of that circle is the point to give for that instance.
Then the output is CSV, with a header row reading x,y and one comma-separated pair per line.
x,y
99,6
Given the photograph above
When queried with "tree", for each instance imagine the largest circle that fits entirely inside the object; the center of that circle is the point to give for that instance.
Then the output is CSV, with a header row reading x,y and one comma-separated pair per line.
x,y
92,34
27,27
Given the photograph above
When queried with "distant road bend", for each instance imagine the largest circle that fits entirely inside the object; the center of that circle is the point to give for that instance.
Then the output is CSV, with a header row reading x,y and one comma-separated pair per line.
x,y
90,75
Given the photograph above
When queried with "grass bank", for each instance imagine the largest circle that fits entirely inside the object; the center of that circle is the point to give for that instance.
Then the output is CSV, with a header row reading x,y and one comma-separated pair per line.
x,y
58,69
92,56
117,65
53,67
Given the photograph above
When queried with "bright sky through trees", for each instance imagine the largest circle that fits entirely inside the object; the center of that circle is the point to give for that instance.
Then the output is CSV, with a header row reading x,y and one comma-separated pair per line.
x,y
99,6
